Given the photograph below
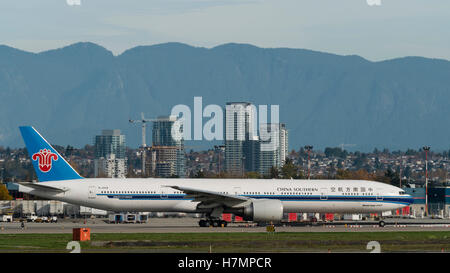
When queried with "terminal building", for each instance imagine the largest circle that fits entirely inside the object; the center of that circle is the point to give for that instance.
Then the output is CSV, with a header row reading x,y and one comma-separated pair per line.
x,y
418,207
438,201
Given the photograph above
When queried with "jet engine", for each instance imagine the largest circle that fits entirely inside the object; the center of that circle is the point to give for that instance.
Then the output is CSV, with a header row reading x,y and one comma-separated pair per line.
x,y
263,210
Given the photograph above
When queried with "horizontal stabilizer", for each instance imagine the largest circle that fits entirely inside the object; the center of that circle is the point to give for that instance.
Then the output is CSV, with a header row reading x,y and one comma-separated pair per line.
x,y
40,187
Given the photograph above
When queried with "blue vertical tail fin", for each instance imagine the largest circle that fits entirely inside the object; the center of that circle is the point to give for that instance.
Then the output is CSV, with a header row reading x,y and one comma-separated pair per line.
x,y
47,162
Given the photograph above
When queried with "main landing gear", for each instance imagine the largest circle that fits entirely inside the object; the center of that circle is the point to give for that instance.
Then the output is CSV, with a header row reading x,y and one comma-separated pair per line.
x,y
213,219
212,222
381,223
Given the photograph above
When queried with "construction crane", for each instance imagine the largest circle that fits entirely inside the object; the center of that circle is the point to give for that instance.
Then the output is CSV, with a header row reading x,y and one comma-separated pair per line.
x,y
144,121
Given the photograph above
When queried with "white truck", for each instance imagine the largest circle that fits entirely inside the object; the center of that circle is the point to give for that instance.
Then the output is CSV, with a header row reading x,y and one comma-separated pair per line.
x,y
352,217
45,219
6,218
32,217
386,213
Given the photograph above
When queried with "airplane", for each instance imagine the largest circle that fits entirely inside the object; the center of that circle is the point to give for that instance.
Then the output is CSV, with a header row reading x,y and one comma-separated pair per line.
x,y
258,200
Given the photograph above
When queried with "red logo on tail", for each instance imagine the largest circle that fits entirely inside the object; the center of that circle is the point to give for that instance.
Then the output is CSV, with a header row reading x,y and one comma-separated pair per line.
x,y
44,158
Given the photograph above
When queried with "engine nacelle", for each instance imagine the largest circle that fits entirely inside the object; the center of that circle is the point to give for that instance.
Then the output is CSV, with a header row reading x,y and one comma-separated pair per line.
x,y
264,210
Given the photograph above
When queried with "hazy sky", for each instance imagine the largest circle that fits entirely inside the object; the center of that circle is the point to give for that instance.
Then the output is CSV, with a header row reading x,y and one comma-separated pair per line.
x,y
395,28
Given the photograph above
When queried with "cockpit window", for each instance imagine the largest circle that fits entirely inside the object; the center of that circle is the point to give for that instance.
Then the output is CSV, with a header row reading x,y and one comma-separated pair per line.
x,y
402,193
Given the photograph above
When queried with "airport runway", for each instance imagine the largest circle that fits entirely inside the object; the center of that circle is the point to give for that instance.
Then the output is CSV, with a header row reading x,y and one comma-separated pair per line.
x,y
181,225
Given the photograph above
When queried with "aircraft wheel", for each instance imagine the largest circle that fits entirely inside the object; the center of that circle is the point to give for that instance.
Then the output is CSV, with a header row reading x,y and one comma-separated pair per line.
x,y
381,224
203,223
215,223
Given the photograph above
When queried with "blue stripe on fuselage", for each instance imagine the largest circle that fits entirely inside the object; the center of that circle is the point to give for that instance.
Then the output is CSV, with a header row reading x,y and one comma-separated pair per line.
x,y
339,198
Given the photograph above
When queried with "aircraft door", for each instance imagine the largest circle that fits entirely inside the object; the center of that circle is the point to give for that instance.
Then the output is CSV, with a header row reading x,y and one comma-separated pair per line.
x,y
236,190
92,192
379,195
164,194
323,194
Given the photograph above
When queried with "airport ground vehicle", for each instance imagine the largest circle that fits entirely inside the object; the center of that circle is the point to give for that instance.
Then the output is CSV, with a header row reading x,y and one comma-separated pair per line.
x,y
6,218
32,217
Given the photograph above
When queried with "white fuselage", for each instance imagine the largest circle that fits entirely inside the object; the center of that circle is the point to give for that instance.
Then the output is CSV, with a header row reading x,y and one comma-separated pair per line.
x,y
154,194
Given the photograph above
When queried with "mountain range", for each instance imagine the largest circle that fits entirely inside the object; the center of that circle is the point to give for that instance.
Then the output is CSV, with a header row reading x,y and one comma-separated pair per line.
x,y
326,100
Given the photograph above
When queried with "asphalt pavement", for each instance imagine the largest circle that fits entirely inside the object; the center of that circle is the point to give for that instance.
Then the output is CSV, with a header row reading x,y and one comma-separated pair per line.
x,y
181,225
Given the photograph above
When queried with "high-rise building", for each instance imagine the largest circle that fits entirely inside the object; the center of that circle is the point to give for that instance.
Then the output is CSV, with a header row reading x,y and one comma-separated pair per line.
x,y
110,166
269,153
273,146
240,137
162,161
245,151
167,156
251,155
284,144
162,132
110,154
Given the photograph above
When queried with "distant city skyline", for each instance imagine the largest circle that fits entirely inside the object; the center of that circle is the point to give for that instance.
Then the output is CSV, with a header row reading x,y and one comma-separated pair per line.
x,y
325,100
375,30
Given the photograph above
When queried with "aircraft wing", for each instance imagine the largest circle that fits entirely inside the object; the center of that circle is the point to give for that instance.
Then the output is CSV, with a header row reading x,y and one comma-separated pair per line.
x,y
211,199
39,186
